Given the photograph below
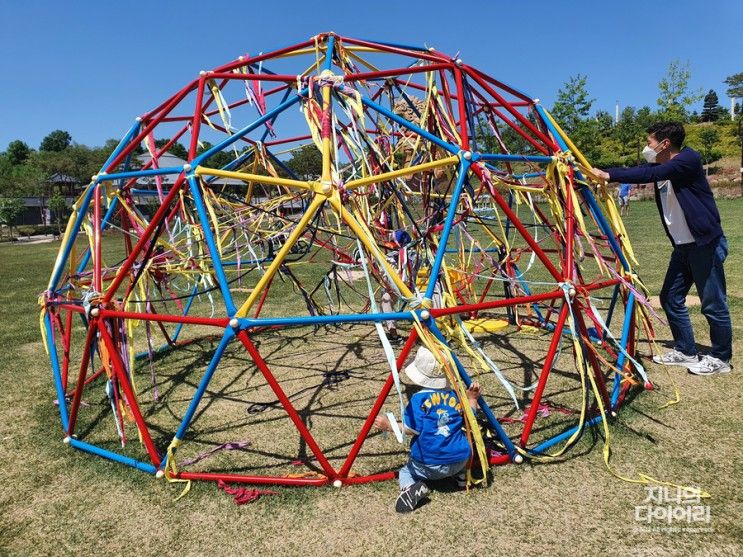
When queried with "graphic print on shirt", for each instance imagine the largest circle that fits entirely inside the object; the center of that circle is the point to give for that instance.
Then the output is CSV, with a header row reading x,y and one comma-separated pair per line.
x,y
442,423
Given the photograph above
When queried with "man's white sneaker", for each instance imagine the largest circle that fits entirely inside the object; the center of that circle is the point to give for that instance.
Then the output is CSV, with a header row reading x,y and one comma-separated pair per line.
x,y
709,365
675,358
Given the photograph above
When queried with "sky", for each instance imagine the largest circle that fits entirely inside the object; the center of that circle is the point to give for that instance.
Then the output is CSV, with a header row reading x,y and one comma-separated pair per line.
x,y
91,67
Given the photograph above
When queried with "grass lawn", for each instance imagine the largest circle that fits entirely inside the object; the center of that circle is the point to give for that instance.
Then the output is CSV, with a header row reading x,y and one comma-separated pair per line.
x,y
55,500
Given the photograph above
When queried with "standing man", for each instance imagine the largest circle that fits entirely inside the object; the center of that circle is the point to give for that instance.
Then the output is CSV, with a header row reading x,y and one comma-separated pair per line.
x,y
624,193
692,222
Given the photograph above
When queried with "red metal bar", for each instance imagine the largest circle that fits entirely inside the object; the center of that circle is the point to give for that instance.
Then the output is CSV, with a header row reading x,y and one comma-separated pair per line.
x,y
286,403
66,338
502,85
520,117
494,110
546,367
252,76
262,480
391,73
196,121
595,365
499,460
462,110
87,347
123,380
378,403
213,321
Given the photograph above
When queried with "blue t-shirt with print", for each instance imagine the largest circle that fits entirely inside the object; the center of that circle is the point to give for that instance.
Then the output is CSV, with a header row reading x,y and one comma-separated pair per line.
x,y
624,189
435,415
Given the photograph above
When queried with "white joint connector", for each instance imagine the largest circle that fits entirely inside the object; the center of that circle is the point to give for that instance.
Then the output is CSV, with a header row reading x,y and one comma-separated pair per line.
x,y
202,72
94,177
518,459
186,167
234,323
337,483
327,188
425,314
95,312
458,62
138,119
241,57
467,155
159,474
571,292
536,101
66,440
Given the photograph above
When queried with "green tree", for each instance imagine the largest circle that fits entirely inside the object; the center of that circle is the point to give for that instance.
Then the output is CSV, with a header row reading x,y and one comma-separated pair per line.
x,y
708,138
711,111
573,103
306,162
217,160
735,85
58,207
10,209
176,149
17,152
675,97
58,140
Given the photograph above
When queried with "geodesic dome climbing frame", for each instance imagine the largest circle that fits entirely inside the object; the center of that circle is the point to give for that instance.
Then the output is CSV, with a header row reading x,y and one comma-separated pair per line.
x,y
449,210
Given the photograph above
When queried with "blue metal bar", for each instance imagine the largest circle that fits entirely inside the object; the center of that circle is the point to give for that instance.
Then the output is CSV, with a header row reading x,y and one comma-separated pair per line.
x,y
92,449
612,304
626,329
122,144
396,45
328,62
56,373
195,189
186,310
483,405
140,173
247,129
282,165
226,338
517,158
453,149
565,435
148,192
463,168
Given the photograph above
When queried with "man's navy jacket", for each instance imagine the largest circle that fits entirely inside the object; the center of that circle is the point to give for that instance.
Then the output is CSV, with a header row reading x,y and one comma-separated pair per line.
x,y
686,173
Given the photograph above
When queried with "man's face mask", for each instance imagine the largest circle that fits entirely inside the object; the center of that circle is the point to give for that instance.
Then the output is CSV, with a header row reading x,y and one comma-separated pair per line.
x,y
651,154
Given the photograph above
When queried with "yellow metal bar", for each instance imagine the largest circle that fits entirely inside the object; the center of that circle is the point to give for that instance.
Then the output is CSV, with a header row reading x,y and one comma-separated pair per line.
x,y
402,172
271,180
326,162
317,201
365,237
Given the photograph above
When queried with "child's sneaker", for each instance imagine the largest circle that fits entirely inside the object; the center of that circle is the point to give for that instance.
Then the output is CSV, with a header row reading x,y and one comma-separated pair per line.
x,y
409,497
709,365
461,480
675,358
